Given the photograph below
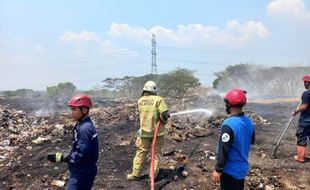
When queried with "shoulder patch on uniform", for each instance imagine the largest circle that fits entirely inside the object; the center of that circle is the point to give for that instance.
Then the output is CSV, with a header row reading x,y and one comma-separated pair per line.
x,y
225,137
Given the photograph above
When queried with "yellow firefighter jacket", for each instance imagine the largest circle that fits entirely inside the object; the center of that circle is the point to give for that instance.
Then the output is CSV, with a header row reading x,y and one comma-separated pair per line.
x,y
150,107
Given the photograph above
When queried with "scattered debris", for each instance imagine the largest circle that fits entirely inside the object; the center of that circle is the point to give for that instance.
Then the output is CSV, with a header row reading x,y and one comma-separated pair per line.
x,y
58,183
188,159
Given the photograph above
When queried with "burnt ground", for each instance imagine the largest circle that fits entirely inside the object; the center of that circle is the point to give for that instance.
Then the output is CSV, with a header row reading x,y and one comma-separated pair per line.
x,y
187,162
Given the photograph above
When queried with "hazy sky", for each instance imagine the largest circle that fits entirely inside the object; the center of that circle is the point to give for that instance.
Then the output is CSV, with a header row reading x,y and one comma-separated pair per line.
x,y
46,42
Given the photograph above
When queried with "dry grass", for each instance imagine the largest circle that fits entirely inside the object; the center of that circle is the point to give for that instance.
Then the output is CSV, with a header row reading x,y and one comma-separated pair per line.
x,y
275,100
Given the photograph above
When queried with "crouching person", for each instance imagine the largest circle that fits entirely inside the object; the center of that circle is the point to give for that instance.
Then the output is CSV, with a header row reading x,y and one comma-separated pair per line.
x,y
83,156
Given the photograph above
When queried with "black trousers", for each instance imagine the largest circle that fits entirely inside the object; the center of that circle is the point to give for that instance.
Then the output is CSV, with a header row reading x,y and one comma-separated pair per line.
x,y
302,134
230,183
82,178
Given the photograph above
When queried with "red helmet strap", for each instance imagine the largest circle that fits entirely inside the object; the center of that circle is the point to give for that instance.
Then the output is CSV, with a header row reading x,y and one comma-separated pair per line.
x,y
307,84
83,114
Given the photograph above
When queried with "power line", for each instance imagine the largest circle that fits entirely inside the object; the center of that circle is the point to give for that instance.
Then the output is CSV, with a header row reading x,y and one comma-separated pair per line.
x,y
198,62
87,67
218,51
55,63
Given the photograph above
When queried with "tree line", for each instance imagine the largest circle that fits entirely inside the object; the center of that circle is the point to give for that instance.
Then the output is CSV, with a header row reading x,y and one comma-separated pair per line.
x,y
262,81
257,80
173,84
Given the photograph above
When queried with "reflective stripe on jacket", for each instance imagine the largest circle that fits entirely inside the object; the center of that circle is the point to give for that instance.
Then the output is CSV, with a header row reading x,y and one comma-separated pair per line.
x,y
85,149
150,107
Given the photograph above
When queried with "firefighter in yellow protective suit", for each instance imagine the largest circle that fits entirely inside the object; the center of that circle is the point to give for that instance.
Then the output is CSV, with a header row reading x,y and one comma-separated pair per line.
x,y
151,108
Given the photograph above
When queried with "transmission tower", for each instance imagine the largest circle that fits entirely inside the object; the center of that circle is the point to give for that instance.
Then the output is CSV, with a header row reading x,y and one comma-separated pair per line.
x,y
153,52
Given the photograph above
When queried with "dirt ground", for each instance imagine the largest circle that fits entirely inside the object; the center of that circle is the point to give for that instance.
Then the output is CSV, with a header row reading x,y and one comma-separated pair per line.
x,y
188,159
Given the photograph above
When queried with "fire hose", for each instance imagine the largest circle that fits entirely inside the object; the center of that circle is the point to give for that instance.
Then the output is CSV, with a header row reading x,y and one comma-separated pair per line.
x,y
281,135
153,154
154,143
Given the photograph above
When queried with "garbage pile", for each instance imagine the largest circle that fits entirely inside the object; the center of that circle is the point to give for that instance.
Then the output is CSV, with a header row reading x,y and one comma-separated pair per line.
x,y
12,123
120,111
185,127
188,158
17,128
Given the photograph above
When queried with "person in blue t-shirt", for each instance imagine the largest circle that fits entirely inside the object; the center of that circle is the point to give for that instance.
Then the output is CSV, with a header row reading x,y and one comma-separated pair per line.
x,y
83,157
237,135
303,130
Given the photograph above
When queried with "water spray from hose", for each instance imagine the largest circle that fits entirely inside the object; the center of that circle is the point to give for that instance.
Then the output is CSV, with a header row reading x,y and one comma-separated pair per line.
x,y
205,111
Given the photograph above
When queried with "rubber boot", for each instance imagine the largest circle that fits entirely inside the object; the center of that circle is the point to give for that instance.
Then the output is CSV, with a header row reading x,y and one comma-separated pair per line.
x,y
301,151
135,175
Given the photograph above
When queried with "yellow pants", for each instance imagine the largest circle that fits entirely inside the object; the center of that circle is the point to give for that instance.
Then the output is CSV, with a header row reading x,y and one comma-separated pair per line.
x,y
143,145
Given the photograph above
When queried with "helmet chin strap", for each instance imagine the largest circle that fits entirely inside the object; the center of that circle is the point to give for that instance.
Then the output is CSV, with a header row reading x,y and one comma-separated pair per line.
x,y
228,109
83,114
307,84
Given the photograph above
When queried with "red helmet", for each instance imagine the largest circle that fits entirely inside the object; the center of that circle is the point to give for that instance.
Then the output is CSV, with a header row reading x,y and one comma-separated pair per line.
x,y
235,96
306,78
79,101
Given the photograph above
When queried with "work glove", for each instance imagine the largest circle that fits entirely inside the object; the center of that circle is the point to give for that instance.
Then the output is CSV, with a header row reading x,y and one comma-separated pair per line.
x,y
164,116
57,157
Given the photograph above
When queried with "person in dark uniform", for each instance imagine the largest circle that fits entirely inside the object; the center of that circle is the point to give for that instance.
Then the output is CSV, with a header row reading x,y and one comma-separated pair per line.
x,y
303,129
237,135
83,157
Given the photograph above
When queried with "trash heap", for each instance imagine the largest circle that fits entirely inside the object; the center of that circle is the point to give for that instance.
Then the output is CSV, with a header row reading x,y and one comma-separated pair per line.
x,y
12,124
188,158
18,129
185,127
120,111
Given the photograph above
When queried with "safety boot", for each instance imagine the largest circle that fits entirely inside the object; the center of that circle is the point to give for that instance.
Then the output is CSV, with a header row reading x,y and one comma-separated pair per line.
x,y
301,151
131,177
135,175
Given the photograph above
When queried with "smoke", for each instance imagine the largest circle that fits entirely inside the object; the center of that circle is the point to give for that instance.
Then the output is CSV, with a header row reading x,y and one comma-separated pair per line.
x,y
41,112
42,105
52,105
263,82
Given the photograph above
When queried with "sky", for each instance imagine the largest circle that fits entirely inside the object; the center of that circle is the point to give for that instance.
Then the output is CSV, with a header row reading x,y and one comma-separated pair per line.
x,y
43,43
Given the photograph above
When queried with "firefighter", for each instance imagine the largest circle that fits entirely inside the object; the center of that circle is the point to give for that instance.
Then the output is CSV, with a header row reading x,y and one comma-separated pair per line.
x,y
237,135
303,129
84,154
151,108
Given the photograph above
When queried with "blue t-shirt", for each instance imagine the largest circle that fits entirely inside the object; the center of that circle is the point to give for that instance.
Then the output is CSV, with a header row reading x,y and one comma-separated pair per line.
x,y
237,135
305,115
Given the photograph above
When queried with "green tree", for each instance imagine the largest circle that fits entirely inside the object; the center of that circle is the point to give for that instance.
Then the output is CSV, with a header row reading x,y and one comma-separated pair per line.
x,y
262,81
175,83
178,82
22,93
60,93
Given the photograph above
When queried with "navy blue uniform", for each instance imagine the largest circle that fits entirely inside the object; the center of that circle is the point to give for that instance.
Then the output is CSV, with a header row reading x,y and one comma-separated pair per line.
x,y
83,156
237,135
303,131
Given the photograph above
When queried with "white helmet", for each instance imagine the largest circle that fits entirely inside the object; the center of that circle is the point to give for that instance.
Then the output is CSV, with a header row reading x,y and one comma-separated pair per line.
x,y
150,86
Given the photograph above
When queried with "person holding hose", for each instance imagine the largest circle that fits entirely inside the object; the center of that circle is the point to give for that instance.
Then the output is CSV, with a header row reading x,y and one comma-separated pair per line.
x,y
85,150
237,135
151,108
303,129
